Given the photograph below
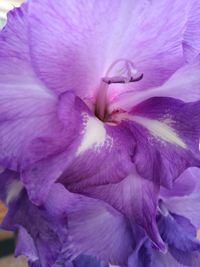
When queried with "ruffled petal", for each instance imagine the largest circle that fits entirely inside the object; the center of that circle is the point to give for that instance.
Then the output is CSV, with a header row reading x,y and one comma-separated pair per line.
x,y
142,256
188,205
180,235
93,226
26,247
27,109
137,201
167,132
102,153
74,44
146,256
184,185
165,260
69,225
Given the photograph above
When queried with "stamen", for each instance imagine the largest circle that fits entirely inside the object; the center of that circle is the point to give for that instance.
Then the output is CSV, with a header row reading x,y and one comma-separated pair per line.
x,y
121,79
125,70
121,71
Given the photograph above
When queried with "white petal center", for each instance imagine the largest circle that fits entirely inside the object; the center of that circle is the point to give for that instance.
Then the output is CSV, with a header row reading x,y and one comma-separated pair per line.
x,y
94,135
160,129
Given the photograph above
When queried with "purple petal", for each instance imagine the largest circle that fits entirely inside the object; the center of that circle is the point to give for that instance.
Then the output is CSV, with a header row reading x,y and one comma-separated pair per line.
x,y
104,155
68,225
24,117
191,43
189,205
184,185
178,232
137,201
27,109
191,259
86,144
35,138
165,260
142,256
61,38
86,261
167,133
94,226
180,235
183,84
25,246
14,33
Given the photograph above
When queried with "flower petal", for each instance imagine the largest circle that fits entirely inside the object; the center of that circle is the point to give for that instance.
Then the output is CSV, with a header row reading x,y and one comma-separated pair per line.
x,y
183,84
25,246
189,205
184,185
191,42
61,38
167,132
165,260
142,256
138,202
68,225
102,152
94,226
86,261
27,108
104,155
180,235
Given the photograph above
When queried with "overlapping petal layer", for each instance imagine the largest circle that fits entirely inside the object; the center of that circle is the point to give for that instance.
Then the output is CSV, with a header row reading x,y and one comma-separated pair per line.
x,y
26,246
102,152
167,134
28,110
187,205
137,201
177,231
185,185
180,235
142,256
65,226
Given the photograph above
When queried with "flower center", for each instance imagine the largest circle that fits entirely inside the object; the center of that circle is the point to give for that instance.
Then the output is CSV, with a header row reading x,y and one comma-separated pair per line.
x,y
122,71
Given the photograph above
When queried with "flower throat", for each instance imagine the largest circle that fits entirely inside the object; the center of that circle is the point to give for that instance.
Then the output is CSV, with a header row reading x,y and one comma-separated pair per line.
x,y
122,71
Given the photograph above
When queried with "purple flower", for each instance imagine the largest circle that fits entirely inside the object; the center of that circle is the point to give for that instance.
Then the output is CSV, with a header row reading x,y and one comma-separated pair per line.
x,y
178,220
99,118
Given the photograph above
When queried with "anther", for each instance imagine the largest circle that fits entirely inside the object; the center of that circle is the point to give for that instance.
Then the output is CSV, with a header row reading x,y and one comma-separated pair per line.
x,y
125,70
122,79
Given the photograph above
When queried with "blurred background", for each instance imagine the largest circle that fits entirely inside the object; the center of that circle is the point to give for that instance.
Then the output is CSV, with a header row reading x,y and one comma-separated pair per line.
x,y
7,239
